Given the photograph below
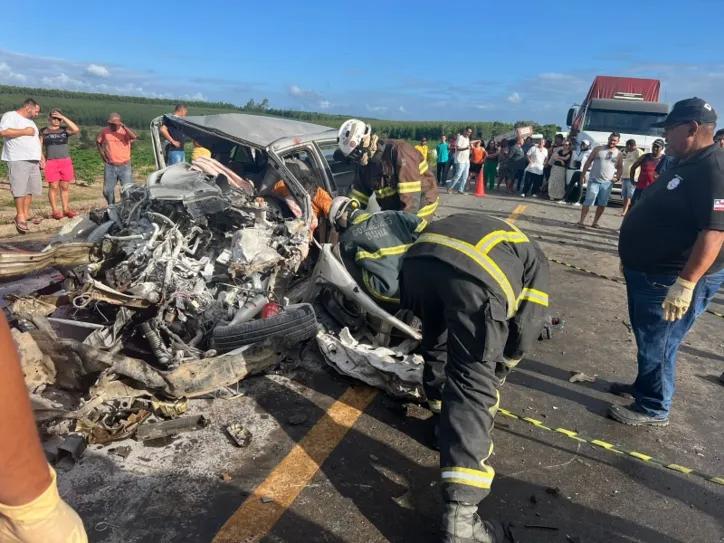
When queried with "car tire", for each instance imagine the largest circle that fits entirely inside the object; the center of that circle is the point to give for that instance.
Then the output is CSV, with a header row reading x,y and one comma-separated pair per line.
x,y
294,324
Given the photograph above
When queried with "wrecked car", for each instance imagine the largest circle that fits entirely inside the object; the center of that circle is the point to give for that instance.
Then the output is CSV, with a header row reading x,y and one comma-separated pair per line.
x,y
197,278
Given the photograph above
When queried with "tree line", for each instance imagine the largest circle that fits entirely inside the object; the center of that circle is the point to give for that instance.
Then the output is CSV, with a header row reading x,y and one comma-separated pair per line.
x,y
92,109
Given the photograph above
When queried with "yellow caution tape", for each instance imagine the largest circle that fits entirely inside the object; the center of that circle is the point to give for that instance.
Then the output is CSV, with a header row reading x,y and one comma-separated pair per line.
x,y
613,447
614,279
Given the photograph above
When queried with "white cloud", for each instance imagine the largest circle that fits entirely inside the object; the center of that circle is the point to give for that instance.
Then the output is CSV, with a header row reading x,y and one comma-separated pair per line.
x,y
96,70
324,104
304,94
197,97
485,106
63,81
376,108
9,76
401,109
515,98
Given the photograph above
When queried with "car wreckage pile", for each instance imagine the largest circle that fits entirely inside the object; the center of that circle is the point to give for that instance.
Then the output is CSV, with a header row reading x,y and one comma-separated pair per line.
x,y
162,308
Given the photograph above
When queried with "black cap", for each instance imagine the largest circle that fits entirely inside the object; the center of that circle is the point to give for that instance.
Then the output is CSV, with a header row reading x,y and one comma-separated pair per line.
x,y
685,111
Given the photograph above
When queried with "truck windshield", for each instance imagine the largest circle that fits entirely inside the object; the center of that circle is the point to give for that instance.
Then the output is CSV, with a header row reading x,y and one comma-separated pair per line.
x,y
627,122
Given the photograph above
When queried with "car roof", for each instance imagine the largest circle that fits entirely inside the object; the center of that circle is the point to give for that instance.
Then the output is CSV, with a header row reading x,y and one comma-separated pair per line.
x,y
255,129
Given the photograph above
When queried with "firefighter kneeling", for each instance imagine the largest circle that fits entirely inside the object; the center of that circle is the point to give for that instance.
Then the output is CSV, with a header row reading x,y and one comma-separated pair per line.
x,y
479,285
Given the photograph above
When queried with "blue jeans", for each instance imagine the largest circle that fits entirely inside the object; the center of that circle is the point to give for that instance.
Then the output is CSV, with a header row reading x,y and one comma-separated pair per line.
x,y
174,157
658,340
462,169
111,176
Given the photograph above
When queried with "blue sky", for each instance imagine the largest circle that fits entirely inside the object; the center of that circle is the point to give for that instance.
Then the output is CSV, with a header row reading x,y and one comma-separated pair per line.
x,y
418,60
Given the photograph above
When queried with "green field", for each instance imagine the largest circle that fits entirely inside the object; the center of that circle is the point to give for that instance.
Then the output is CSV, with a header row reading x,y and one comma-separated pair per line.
x,y
90,111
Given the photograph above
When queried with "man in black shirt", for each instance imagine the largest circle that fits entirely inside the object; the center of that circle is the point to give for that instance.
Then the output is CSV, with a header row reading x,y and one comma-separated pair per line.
x,y
174,148
671,252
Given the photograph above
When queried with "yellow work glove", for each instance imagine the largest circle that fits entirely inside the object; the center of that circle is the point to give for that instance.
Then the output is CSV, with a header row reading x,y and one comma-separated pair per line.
x,y
46,519
678,299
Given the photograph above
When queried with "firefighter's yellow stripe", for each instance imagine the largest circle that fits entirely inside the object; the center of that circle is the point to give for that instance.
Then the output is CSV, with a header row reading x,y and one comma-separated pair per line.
x,y
361,218
469,477
424,167
479,258
494,409
420,227
532,295
385,192
411,186
361,197
385,251
487,244
510,363
429,209
375,293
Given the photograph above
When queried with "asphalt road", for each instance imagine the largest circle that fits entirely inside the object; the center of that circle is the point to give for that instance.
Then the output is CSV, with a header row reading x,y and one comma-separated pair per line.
x,y
357,468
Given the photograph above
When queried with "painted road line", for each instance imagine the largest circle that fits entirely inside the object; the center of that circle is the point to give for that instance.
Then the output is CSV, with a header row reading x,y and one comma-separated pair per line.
x,y
254,519
516,213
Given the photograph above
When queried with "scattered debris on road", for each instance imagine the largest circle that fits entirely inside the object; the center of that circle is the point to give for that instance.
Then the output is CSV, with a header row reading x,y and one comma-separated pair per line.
x,y
240,436
577,377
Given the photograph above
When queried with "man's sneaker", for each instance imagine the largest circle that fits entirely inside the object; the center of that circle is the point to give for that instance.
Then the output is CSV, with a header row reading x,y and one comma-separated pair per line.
x,y
562,202
577,204
633,415
461,524
522,194
534,196
621,389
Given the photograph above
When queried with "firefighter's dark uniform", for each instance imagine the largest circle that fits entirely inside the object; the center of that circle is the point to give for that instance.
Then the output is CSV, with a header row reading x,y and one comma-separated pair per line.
x,y
479,285
372,247
400,178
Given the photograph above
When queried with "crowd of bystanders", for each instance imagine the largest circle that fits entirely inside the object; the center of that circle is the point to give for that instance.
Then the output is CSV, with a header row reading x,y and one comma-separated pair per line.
x,y
31,153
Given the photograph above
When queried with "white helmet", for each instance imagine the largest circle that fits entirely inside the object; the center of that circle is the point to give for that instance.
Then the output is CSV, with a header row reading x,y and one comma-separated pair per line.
x,y
338,209
351,136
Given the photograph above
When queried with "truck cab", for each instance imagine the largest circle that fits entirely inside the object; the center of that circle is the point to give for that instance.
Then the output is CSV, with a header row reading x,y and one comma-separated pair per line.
x,y
596,120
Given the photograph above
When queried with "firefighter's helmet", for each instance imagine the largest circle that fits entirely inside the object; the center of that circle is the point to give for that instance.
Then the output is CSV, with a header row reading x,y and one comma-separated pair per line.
x,y
353,137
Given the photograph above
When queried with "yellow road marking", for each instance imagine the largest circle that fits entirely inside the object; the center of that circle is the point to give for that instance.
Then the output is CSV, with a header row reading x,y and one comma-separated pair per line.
x,y
254,519
516,213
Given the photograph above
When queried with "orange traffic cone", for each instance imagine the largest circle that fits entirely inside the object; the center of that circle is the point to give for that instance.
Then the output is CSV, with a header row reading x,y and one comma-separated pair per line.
x,y
480,184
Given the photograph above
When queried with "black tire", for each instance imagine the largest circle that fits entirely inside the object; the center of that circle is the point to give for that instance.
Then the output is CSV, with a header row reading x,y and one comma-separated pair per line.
x,y
293,325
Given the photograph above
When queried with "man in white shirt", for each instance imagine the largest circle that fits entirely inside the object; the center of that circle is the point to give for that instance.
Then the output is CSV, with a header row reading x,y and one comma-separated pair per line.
x,y
22,152
537,156
462,161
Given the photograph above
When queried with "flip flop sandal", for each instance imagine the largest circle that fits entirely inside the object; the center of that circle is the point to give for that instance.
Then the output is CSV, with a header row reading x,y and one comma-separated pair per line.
x,y
36,220
70,213
21,227
595,226
581,225
57,215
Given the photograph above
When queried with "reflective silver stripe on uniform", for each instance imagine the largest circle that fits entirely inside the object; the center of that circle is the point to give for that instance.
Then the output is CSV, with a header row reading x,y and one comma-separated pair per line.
x,y
510,363
385,251
467,476
483,260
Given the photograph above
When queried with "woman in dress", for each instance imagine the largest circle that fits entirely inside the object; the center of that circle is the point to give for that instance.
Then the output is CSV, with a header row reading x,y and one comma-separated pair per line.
x,y
557,179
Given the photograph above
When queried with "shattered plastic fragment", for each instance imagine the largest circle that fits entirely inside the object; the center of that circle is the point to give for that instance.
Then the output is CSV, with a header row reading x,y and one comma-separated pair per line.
x,y
240,435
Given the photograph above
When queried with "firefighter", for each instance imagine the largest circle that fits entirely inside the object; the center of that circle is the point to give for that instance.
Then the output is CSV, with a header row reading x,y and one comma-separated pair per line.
x,y
479,285
372,246
393,170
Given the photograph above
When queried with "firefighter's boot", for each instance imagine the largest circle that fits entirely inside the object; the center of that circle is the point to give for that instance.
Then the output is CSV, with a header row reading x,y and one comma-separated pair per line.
x,y
461,524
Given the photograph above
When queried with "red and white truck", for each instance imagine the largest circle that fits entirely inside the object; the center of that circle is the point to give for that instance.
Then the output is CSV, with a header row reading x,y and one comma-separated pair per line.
x,y
627,105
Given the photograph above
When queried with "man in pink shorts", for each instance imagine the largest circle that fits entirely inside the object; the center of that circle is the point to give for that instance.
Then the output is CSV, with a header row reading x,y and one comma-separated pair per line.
x,y
58,165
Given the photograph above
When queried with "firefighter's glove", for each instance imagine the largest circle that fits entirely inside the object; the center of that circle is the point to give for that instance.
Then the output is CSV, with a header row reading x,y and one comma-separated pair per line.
x,y
46,519
678,299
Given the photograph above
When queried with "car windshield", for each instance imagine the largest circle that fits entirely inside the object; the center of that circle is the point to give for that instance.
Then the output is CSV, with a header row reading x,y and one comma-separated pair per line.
x,y
627,122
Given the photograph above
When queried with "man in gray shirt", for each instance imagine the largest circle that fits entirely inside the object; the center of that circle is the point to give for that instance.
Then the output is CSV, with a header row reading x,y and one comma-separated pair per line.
x,y
607,169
